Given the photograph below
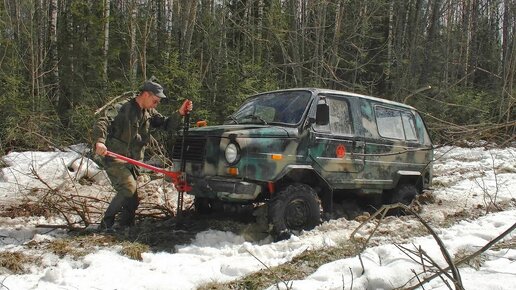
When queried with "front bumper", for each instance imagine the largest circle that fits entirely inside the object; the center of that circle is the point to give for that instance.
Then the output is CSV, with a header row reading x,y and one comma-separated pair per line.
x,y
226,189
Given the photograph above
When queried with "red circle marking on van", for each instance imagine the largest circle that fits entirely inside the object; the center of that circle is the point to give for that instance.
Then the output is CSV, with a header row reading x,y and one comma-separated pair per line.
x,y
340,151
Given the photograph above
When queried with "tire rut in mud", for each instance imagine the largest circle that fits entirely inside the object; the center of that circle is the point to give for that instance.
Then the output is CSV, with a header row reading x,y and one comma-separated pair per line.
x,y
166,234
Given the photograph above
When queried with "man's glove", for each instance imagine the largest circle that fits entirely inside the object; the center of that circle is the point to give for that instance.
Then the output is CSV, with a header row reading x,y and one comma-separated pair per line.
x,y
186,107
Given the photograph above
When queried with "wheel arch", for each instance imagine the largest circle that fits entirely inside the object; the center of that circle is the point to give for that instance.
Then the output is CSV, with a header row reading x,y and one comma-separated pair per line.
x,y
409,177
305,174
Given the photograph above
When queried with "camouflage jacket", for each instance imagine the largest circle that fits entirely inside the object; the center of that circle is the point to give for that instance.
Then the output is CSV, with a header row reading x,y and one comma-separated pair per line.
x,y
124,127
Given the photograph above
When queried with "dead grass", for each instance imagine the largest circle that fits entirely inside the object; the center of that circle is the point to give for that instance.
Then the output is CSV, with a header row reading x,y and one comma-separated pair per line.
x,y
300,267
505,169
426,197
134,250
440,183
75,246
62,248
95,240
15,262
475,212
82,245
507,244
26,209
474,263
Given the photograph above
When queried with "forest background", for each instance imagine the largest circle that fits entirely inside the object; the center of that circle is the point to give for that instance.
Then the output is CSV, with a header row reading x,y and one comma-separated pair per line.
x,y
62,60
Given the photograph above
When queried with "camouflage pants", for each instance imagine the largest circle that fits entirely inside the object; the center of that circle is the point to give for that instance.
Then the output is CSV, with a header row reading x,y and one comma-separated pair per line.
x,y
123,178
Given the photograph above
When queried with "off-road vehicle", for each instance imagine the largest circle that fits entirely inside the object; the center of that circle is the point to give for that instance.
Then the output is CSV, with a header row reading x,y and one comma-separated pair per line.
x,y
295,150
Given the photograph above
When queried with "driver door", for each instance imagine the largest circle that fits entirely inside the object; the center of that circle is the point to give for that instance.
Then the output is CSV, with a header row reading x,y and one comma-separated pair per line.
x,y
334,146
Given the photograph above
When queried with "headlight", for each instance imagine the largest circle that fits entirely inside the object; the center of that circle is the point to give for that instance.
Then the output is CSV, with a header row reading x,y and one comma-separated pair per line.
x,y
232,153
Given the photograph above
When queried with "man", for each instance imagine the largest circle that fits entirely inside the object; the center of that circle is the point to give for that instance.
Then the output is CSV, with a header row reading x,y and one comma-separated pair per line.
x,y
124,129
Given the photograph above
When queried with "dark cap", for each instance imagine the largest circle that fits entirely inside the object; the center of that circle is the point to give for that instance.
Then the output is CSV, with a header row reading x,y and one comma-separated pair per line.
x,y
153,87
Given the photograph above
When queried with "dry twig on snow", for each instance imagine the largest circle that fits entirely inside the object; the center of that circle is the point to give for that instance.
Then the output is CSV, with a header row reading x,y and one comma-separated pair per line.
x,y
384,210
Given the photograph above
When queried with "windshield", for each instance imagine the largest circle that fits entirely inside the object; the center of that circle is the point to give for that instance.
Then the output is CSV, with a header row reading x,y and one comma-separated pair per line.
x,y
279,107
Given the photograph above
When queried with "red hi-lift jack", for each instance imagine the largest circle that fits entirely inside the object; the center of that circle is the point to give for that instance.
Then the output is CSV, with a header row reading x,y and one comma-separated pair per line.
x,y
178,177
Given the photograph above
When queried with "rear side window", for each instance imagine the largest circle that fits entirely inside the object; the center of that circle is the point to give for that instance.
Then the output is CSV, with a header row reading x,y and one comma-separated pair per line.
x,y
409,126
340,120
395,124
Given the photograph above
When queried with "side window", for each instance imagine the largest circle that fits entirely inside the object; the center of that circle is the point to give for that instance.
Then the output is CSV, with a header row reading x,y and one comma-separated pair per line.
x,y
389,123
409,125
340,117
395,124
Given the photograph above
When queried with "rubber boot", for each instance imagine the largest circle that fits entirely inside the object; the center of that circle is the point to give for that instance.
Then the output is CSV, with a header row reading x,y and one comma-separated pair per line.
x,y
108,221
127,216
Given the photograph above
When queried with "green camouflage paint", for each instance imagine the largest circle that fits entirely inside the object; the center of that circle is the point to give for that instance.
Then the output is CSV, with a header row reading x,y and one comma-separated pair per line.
x,y
371,162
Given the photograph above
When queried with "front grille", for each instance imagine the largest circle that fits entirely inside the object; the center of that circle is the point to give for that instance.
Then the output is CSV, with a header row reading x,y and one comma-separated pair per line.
x,y
194,148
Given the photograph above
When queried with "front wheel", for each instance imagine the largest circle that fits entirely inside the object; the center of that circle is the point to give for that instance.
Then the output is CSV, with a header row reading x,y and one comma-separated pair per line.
x,y
295,208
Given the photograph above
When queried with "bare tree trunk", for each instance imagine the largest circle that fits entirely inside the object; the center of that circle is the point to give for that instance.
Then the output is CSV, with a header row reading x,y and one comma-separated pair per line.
x,y
35,53
450,18
390,43
259,35
467,42
508,86
505,33
320,40
295,42
363,23
506,61
42,26
337,33
54,61
145,39
400,46
187,12
160,29
133,58
169,5
107,10
67,66
473,63
192,14
415,31
431,33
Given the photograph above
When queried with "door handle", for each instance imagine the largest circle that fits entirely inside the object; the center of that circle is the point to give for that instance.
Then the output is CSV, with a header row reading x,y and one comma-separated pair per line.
x,y
359,147
358,144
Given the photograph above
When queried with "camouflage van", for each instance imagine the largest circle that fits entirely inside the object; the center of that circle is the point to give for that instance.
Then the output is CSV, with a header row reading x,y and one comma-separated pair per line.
x,y
295,150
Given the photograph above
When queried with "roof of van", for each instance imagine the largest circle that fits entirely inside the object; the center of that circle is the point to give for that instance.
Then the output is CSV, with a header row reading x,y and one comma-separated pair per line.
x,y
328,91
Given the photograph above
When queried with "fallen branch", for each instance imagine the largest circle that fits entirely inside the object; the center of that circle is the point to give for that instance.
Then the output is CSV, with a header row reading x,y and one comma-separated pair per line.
x,y
113,100
470,257
383,211
287,285
67,227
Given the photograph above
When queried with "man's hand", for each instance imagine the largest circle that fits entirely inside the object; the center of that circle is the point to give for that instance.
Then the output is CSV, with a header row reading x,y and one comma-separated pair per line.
x,y
186,107
100,149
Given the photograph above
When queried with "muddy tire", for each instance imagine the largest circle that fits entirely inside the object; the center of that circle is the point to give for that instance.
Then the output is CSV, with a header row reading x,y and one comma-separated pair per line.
x,y
403,193
295,208
203,205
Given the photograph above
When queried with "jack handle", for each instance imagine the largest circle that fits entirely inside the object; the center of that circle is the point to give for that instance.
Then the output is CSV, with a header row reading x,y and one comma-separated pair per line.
x,y
176,176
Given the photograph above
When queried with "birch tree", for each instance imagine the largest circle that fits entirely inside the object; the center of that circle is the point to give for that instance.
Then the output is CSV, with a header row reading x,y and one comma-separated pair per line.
x,y
54,60
105,51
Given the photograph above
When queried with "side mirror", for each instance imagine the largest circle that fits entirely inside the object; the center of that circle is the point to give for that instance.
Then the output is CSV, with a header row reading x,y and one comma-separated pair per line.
x,y
322,116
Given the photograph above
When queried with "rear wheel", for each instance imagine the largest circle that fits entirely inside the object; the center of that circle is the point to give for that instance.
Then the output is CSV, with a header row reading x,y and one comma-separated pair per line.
x,y
403,193
203,205
295,208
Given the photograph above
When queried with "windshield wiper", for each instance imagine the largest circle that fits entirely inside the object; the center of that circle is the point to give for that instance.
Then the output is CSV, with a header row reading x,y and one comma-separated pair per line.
x,y
255,117
232,119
